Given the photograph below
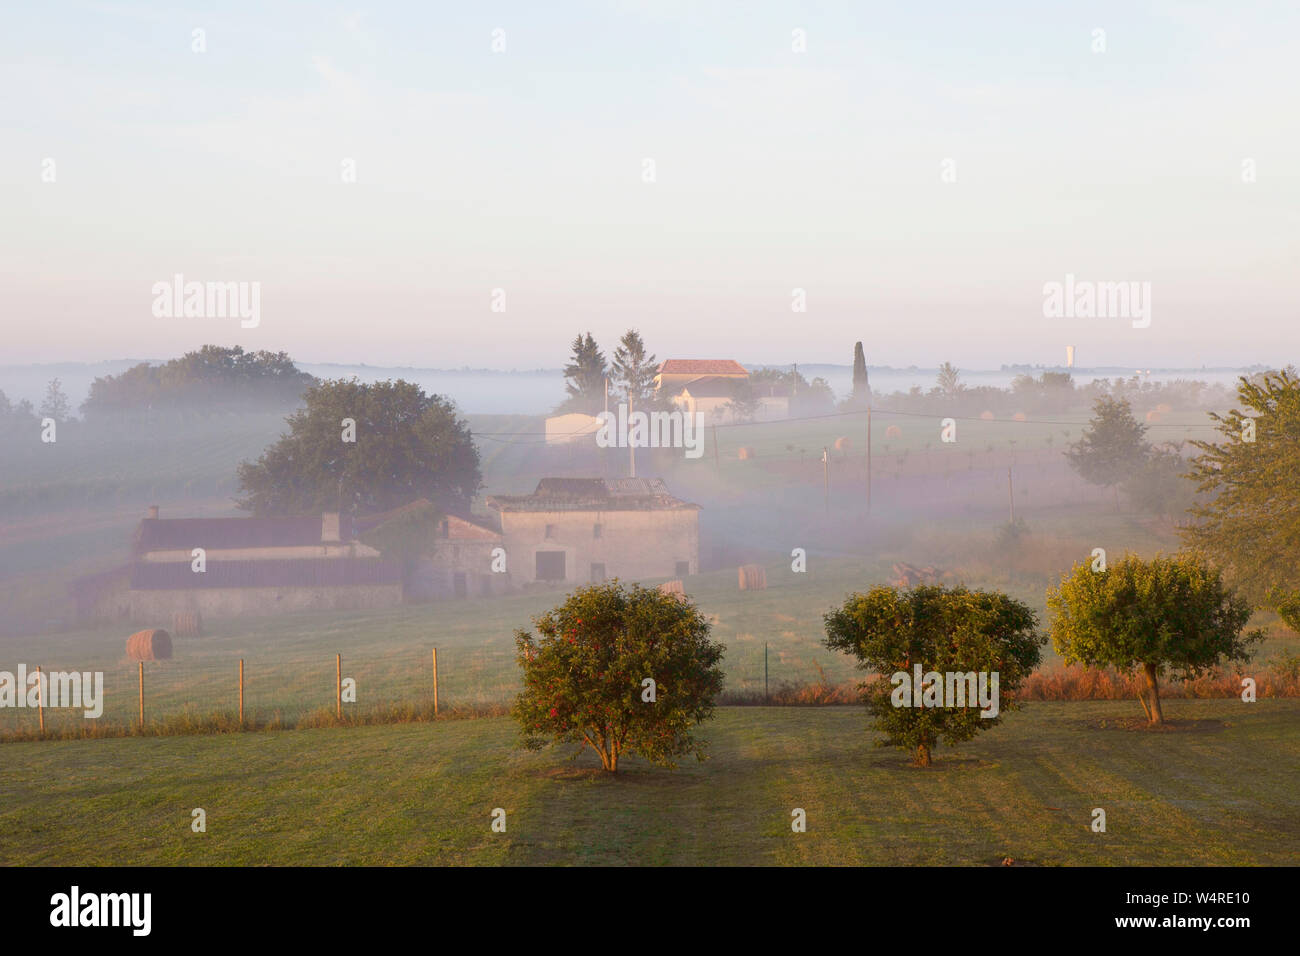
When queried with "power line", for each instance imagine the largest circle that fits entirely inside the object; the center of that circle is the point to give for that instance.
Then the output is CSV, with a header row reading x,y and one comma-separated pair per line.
x,y
495,436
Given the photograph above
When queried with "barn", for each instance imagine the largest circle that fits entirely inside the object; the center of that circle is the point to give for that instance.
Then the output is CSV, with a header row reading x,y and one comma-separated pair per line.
x,y
579,530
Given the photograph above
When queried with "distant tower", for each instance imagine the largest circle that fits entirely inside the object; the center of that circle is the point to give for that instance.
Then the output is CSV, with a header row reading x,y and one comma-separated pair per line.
x,y
1069,356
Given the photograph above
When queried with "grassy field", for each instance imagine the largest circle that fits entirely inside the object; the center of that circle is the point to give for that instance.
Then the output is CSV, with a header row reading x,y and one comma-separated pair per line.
x,y
289,661
1219,788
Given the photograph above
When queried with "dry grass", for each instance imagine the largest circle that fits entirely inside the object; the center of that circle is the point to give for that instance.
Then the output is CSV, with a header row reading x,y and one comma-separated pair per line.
x,y
1081,683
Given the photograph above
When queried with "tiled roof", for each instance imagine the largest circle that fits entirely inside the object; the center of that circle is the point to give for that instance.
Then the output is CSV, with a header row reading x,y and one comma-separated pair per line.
x,y
702,367
169,534
593,494
277,573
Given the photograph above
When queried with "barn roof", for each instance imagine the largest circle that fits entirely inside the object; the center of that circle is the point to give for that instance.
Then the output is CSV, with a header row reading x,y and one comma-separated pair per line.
x,y
699,367
276,573
593,494
169,534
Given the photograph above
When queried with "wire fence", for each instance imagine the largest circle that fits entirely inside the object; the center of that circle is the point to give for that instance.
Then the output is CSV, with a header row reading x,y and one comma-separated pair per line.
x,y
264,690
223,691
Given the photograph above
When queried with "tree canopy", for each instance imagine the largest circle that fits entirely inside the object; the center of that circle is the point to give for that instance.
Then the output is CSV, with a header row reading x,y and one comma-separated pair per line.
x,y
943,631
634,369
1169,614
407,445
212,376
584,377
1250,524
1112,445
619,669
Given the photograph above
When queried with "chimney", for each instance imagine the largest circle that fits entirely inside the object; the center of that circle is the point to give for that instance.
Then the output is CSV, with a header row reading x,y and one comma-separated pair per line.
x,y
152,512
329,527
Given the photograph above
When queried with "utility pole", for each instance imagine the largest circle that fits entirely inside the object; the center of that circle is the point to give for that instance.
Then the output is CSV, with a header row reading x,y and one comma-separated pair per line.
x,y
631,446
715,445
1011,498
826,476
868,456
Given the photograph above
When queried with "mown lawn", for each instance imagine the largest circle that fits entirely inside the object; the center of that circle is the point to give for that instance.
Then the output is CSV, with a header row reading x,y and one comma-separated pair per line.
x,y
1222,787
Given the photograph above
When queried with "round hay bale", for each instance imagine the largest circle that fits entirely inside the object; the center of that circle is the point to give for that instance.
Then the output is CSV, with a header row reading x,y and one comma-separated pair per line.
x,y
153,644
1020,417
893,431
842,443
986,416
743,453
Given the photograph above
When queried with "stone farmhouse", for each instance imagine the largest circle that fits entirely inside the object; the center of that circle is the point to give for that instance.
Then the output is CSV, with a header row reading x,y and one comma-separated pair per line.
x,y
578,530
248,566
569,531
706,386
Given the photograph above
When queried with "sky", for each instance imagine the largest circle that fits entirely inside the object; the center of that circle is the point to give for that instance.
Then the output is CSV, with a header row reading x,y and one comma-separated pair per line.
x,y
919,171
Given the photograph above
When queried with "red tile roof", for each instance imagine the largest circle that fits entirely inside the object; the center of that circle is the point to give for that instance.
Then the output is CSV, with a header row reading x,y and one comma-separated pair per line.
x,y
702,367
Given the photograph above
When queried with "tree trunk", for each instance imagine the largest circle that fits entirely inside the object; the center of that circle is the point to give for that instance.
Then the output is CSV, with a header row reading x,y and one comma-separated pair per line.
x,y
922,756
1153,690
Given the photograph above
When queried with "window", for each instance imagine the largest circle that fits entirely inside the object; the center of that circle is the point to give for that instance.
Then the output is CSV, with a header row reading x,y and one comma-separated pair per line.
x,y
550,565
683,569
597,571
550,531
596,530
444,528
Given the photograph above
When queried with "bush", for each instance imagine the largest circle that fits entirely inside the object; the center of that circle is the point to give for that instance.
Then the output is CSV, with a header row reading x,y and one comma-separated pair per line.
x,y
622,670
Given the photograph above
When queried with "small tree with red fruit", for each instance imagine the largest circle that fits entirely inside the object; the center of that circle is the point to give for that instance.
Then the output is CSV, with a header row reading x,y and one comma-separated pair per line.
x,y
622,670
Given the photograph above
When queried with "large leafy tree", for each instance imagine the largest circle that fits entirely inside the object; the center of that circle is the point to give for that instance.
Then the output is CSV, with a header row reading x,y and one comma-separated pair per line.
x,y
55,404
1111,447
408,445
1250,526
943,630
585,674
1159,484
213,375
634,369
584,377
1167,615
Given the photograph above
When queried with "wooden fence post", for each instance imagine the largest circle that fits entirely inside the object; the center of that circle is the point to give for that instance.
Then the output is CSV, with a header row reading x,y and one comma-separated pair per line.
x,y
40,700
435,682
241,693
338,685
142,695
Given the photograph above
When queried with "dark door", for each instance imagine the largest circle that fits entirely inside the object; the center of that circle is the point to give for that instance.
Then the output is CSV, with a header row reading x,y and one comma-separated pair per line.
x,y
550,565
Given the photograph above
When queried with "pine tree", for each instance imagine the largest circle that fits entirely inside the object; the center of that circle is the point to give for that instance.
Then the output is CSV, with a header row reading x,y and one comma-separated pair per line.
x,y
634,370
585,377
